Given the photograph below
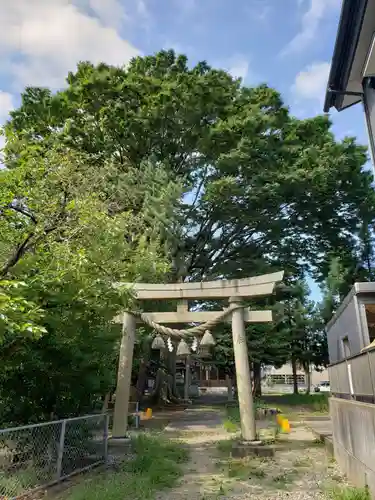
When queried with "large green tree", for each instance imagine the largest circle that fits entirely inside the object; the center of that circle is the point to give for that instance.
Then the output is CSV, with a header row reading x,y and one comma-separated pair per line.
x,y
262,190
72,229
260,185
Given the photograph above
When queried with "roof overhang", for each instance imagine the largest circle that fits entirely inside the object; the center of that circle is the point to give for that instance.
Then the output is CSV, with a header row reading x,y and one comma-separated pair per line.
x,y
353,58
360,288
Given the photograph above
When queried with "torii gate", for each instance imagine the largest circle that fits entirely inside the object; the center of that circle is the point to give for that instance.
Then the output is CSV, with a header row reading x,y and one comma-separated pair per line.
x,y
234,291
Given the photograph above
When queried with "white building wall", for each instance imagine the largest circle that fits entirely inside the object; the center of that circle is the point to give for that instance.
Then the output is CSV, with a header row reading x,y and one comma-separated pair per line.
x,y
316,377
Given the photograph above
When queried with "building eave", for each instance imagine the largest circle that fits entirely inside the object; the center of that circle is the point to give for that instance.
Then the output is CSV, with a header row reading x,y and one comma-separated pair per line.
x,y
359,288
351,20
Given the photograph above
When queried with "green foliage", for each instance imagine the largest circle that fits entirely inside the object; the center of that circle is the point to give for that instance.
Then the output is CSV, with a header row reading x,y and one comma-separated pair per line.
x,y
233,414
73,228
334,289
296,331
348,493
230,426
308,346
257,178
18,481
161,171
311,402
156,466
226,445
18,316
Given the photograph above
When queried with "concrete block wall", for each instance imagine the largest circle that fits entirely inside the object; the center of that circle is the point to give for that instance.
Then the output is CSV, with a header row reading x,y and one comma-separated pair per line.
x,y
353,425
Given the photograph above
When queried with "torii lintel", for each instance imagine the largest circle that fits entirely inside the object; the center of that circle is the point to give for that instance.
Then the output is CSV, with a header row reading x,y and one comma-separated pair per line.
x,y
248,287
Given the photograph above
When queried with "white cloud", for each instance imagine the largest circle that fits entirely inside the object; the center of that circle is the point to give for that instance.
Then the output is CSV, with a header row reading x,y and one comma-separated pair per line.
x,y
43,40
110,12
238,67
311,83
6,105
310,24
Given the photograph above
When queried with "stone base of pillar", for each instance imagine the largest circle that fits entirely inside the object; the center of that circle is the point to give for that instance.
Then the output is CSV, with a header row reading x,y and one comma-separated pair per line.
x,y
119,447
243,449
120,442
256,442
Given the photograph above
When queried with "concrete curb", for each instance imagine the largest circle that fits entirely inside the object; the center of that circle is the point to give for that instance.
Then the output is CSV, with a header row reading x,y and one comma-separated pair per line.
x,y
324,438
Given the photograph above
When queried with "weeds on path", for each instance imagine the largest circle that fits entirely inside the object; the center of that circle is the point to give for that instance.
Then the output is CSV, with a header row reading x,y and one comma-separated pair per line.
x,y
157,465
317,403
347,493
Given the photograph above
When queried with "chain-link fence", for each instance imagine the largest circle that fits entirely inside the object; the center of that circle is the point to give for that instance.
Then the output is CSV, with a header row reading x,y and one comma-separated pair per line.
x,y
39,455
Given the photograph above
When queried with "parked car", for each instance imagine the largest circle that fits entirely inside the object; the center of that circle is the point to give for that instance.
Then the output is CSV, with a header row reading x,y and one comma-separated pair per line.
x,y
323,387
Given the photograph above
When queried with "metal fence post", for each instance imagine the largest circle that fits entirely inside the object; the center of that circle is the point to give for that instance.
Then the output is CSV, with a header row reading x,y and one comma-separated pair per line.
x,y
61,449
105,437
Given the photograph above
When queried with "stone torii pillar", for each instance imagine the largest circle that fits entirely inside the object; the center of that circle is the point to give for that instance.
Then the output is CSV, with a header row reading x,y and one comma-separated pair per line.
x,y
121,410
244,389
234,290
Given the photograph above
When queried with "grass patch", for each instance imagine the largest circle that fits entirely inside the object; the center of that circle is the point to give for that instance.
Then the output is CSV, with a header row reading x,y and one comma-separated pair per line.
x,y
302,462
242,468
318,442
233,411
246,468
157,465
269,435
225,446
318,403
347,493
233,414
331,462
17,482
285,477
232,422
230,426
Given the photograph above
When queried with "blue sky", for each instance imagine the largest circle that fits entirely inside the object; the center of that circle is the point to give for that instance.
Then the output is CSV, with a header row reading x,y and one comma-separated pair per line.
x,y
286,43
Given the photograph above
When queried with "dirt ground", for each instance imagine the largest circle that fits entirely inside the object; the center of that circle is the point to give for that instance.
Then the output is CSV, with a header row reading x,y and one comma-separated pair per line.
x,y
300,469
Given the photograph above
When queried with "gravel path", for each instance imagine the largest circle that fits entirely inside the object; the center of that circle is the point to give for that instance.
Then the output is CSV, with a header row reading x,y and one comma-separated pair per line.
x,y
300,470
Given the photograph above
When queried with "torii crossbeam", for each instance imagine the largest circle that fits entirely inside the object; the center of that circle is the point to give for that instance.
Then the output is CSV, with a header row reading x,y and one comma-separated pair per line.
x,y
234,291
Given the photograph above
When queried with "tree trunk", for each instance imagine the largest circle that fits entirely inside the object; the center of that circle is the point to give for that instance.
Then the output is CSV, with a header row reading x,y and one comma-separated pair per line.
x,y
163,391
106,401
159,394
257,382
295,380
308,378
142,378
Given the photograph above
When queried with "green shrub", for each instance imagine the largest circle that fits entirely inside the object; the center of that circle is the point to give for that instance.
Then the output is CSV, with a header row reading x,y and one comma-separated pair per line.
x,y
156,466
230,426
17,482
347,493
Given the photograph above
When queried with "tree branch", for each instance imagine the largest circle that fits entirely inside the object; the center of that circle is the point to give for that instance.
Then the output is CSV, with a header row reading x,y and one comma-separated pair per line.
x,y
23,211
17,255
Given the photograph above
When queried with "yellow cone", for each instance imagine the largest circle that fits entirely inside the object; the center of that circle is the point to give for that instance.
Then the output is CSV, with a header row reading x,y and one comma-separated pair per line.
x,y
285,425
